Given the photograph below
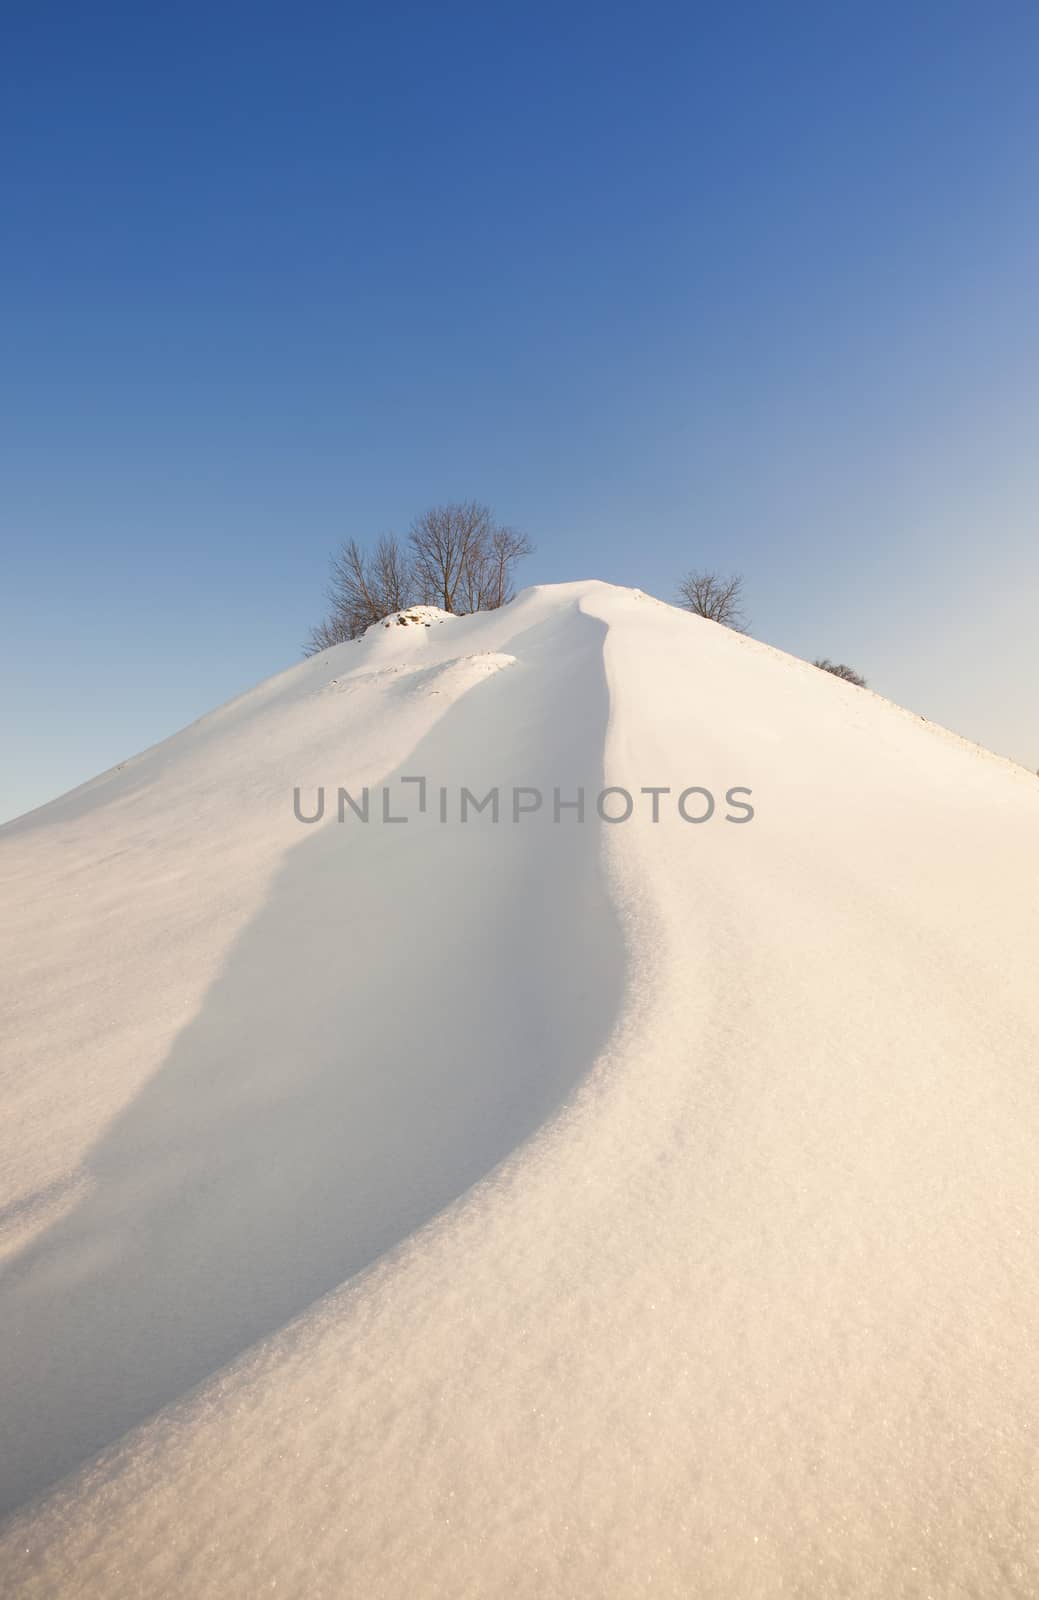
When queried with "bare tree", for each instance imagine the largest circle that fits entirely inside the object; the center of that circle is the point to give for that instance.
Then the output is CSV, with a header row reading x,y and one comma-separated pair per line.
x,y
393,577
473,581
719,599
839,670
363,588
447,543
507,547
463,559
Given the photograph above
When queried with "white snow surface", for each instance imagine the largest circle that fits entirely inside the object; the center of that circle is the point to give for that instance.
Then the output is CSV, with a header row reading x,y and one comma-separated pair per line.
x,y
525,1209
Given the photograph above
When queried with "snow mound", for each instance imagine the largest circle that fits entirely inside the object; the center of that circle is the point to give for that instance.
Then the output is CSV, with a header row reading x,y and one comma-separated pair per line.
x,y
413,617
424,1206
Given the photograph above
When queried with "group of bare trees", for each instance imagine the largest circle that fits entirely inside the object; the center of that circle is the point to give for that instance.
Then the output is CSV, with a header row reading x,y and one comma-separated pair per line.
x,y
457,557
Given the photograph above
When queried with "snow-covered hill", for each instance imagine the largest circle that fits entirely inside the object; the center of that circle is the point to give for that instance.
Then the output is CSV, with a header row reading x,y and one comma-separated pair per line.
x,y
525,1207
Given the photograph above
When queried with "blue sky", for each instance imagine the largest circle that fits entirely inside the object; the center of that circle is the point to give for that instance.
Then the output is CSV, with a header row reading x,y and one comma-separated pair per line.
x,y
748,286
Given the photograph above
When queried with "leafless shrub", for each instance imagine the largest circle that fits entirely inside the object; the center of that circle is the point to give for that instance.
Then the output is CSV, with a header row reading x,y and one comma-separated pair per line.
x,y
334,630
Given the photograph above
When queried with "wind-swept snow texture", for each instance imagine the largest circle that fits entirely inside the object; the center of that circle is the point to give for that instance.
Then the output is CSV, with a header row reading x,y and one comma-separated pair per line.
x,y
525,1209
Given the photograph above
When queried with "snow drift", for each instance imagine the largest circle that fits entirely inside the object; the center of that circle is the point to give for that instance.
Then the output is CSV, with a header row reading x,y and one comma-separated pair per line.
x,y
533,1207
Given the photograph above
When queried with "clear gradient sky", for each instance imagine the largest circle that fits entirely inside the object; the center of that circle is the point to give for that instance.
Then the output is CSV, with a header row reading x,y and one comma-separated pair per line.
x,y
745,286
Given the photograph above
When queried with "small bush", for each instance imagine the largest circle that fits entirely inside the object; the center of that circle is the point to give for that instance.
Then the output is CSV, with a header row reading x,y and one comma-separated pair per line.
x,y
840,670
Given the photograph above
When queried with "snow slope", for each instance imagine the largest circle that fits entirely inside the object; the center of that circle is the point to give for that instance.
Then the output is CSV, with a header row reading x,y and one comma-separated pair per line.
x,y
525,1208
